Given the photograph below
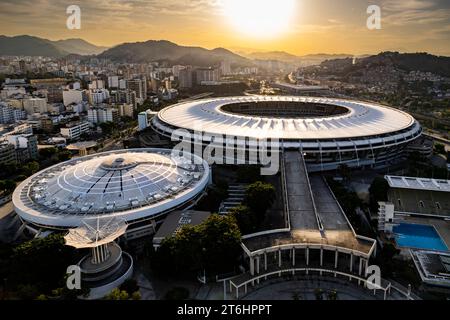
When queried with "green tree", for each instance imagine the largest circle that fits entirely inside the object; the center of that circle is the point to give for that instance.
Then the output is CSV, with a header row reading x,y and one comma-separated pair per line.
x,y
245,218
378,191
64,155
117,294
40,262
7,186
136,295
213,245
215,195
33,166
259,197
221,243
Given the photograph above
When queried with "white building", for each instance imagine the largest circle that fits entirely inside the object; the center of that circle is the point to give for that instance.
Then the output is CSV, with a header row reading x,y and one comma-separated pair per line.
x,y
74,131
385,216
113,82
73,96
98,96
77,107
101,115
122,84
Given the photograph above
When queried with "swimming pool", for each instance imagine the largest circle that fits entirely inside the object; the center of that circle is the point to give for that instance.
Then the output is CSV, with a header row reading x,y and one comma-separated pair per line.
x,y
409,235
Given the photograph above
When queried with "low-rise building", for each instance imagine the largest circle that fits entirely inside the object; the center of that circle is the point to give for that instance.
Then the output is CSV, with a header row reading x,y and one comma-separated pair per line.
x,y
9,114
74,131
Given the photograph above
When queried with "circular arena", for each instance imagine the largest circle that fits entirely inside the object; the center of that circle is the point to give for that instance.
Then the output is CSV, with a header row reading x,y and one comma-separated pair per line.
x,y
133,184
327,131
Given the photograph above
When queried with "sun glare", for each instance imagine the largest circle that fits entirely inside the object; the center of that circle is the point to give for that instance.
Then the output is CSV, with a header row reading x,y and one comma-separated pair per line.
x,y
260,18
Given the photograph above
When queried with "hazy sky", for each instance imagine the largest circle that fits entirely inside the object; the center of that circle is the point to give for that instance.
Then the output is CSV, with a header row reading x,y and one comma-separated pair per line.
x,y
317,26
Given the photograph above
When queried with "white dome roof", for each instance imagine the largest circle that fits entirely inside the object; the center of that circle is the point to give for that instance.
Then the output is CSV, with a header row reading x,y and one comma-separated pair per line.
x,y
132,184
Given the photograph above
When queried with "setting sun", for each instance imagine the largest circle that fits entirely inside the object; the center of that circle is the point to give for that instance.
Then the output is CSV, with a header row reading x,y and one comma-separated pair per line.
x,y
260,18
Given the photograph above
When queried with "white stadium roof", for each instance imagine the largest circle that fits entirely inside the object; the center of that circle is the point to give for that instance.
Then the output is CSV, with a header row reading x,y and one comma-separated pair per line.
x,y
356,119
130,184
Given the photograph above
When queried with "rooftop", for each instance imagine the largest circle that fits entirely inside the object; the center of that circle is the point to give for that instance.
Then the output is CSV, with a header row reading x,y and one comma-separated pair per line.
x,y
176,220
418,183
133,184
433,266
287,117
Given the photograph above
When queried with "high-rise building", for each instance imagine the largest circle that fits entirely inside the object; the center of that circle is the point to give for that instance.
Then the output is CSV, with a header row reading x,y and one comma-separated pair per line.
x,y
176,70
142,120
7,153
101,115
98,96
122,84
186,77
155,84
124,96
225,67
140,87
126,110
113,82
207,75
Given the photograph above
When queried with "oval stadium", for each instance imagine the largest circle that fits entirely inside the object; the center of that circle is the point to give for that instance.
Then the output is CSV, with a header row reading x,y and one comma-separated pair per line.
x,y
134,185
327,131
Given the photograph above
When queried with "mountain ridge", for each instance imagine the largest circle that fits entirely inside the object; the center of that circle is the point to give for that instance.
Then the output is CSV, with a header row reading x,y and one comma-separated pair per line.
x,y
164,50
26,45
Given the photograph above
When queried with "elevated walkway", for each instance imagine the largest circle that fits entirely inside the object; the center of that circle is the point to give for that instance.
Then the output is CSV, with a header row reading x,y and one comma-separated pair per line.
x,y
315,218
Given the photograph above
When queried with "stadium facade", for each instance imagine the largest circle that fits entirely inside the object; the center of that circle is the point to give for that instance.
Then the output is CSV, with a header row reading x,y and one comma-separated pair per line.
x,y
328,132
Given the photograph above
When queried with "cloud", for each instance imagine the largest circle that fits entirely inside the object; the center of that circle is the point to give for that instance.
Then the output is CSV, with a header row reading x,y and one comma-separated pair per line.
x,y
415,12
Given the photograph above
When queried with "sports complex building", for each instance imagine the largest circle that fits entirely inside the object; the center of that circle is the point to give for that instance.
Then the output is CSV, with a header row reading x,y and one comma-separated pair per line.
x,y
416,214
136,185
328,132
